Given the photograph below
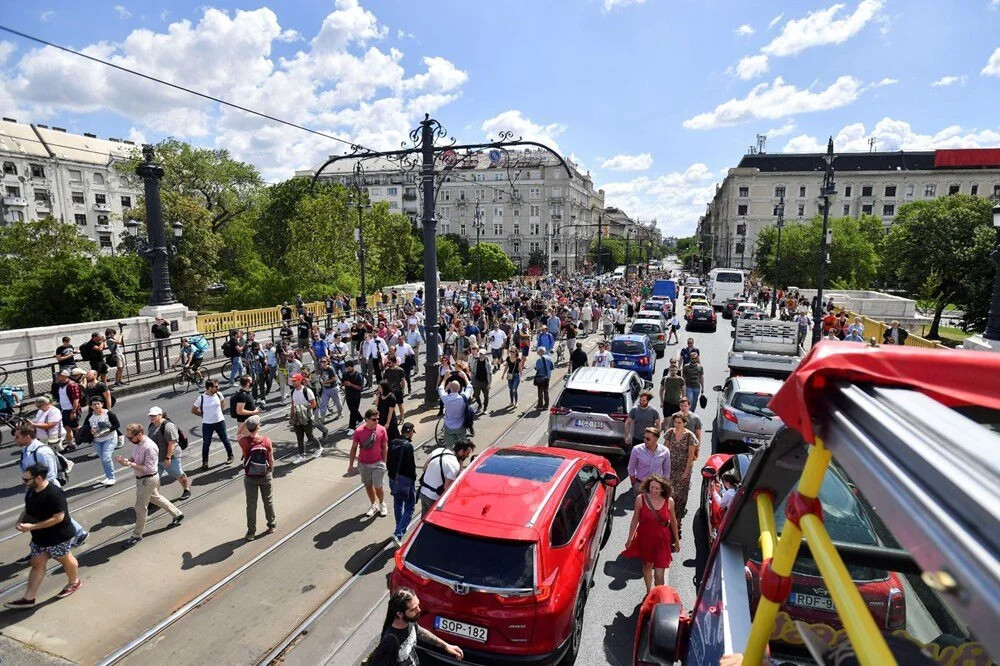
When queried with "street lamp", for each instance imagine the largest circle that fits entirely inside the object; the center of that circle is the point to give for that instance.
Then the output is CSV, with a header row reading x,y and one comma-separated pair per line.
x,y
777,256
155,245
478,224
993,323
600,257
357,198
828,190
628,237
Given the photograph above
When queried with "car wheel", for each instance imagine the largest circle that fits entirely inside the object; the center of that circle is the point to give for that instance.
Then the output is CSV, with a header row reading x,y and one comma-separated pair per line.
x,y
714,329
707,516
576,638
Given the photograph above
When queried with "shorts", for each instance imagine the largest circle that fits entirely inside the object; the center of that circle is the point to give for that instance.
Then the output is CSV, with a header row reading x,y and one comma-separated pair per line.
x,y
372,474
497,354
56,551
174,470
70,422
196,362
100,366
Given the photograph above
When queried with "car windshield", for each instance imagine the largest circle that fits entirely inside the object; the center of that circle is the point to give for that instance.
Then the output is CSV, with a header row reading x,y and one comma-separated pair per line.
x,y
592,402
473,560
643,327
626,347
753,403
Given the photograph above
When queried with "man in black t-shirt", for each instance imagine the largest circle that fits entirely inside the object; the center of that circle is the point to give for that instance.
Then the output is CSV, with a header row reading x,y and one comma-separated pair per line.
x,y
402,470
353,383
92,351
46,518
303,331
65,355
242,405
286,313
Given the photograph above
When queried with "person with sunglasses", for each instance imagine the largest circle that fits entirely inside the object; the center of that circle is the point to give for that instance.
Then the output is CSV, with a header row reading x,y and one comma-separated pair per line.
x,y
46,518
145,462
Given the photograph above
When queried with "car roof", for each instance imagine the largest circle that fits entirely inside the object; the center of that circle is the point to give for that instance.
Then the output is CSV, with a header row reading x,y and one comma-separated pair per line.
x,y
599,379
701,306
648,320
507,506
630,337
762,384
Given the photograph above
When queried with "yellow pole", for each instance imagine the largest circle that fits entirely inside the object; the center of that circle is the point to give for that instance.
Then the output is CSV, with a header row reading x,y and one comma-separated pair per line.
x,y
864,634
765,517
784,555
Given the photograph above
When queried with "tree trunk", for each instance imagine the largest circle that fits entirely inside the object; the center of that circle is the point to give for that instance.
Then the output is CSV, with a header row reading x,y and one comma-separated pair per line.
x,y
939,307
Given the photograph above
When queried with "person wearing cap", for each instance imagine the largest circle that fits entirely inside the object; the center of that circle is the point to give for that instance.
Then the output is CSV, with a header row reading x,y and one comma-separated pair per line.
x,y
482,378
300,416
544,366
68,395
166,436
402,470
258,467
209,407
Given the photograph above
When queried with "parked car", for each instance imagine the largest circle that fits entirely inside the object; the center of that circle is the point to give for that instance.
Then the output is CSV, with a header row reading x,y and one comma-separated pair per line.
x,y
634,352
663,305
847,520
504,560
655,328
741,308
652,314
743,421
730,305
702,316
590,413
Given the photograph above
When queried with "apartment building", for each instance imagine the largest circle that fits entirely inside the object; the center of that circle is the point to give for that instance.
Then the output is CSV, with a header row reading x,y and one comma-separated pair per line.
x,y
876,183
49,172
523,202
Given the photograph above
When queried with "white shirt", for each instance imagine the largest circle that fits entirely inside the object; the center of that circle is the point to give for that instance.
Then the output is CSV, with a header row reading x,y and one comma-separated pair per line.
x,y
52,414
211,408
343,327
442,466
299,396
496,338
402,351
338,348
602,359
64,401
369,349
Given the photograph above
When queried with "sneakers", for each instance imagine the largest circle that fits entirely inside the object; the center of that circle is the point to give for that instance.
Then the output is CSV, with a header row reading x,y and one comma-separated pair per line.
x,y
20,603
319,451
229,460
131,542
382,511
204,467
298,459
69,464
177,520
82,539
184,495
397,540
270,530
372,511
249,536
107,483
69,589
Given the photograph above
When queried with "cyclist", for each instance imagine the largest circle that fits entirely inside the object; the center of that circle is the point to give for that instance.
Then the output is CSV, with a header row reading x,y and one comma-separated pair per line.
x,y
190,357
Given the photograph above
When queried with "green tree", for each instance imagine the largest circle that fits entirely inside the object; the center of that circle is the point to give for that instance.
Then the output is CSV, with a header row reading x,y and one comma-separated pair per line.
x,y
538,259
25,247
321,256
496,265
388,241
613,251
463,246
449,260
277,207
943,246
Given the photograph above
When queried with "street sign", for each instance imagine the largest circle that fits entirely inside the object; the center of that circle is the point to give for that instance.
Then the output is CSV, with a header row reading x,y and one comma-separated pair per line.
x,y
495,157
449,157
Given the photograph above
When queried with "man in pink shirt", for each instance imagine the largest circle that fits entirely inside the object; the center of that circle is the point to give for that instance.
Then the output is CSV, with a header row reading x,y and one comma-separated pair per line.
x,y
370,446
144,461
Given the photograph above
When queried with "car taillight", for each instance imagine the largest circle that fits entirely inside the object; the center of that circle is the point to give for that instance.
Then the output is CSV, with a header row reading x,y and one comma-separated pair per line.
x,y
643,361
618,417
558,410
729,416
661,337
895,618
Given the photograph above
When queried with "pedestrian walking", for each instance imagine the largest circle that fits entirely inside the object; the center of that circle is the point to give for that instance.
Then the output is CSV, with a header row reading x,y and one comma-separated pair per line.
x,y
300,416
694,379
370,447
144,461
653,534
68,396
104,429
46,517
167,437
330,383
441,470
482,378
402,470
693,420
641,417
49,421
243,405
353,384
543,374
213,421
671,388
683,447
400,633
456,409
232,349
648,458
512,369
258,469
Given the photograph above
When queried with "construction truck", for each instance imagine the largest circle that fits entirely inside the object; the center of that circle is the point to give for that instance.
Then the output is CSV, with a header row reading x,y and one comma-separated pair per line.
x,y
764,348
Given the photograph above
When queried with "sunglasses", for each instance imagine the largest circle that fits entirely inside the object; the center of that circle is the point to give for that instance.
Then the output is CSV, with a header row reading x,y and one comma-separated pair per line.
x,y
372,418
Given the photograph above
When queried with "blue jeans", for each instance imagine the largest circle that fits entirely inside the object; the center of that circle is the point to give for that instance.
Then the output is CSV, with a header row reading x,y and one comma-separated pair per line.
x,y
512,383
402,509
692,396
237,370
104,450
206,438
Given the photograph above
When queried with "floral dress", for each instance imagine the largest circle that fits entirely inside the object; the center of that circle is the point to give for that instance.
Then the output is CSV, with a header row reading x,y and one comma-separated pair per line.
x,y
679,448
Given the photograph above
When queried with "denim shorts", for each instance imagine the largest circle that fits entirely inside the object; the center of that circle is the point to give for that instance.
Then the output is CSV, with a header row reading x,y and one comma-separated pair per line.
x,y
174,469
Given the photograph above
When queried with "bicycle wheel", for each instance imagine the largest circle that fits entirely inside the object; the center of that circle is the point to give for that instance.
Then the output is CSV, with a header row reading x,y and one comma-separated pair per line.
x,y
439,431
3,375
227,369
181,384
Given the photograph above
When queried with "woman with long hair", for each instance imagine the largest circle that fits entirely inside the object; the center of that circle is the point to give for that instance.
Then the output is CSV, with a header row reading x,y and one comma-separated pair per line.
x,y
513,366
653,536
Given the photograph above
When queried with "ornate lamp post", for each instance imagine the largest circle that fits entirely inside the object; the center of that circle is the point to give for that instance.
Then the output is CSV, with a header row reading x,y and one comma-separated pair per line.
x,y
155,246
828,190
478,224
357,198
993,323
777,255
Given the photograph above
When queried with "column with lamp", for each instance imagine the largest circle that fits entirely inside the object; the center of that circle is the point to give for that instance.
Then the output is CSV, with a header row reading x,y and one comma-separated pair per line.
x,y
357,197
600,257
777,256
628,237
826,193
155,246
478,224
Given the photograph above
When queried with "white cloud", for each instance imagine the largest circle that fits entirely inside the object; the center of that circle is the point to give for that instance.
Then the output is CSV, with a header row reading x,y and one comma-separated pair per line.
x,y
885,82
164,14
744,30
674,199
441,76
777,100
992,67
402,34
524,128
123,11
948,80
6,48
893,135
994,4
822,27
775,20
787,128
46,15
611,4
289,36
639,162
750,67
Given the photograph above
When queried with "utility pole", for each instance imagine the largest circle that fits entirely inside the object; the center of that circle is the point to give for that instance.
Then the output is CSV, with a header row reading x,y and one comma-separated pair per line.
x,y
628,237
777,256
479,252
829,189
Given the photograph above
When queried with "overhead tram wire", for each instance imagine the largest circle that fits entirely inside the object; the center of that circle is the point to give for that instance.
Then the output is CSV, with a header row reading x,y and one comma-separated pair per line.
x,y
154,79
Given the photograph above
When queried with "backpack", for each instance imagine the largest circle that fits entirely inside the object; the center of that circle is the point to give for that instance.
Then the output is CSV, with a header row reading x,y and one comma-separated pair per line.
x,y
470,414
227,348
182,438
199,343
255,463
62,474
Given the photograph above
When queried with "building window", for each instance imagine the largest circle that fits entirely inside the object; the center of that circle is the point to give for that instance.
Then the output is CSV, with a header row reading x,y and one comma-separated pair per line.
x,y
81,219
37,171
498,196
9,169
100,199
102,219
497,211
745,191
534,246
741,209
98,179
802,190
78,198
847,210
534,193
888,210
517,229
392,191
75,177
802,210
954,189
534,211
17,215
444,211
866,190
974,190
13,191
847,191
445,228
515,246
534,228
498,228
779,191
42,196
930,190
126,202
909,189
105,241
447,195
996,191
866,209
517,212
890,190
480,194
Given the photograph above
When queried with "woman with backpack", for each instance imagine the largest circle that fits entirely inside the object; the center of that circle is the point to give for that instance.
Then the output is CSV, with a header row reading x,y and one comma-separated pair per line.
x,y
258,466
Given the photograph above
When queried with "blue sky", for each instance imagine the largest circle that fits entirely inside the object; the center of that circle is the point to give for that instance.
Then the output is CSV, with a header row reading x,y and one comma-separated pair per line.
x,y
657,98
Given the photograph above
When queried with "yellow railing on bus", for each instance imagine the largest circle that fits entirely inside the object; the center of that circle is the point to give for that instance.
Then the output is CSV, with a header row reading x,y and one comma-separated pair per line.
x,y
876,329
865,637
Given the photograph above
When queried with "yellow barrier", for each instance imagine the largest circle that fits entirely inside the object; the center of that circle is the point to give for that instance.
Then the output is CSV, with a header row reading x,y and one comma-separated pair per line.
x,y
876,329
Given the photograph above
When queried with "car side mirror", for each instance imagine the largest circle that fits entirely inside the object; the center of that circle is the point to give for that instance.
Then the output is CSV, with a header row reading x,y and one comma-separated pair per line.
x,y
708,472
648,385
717,387
610,480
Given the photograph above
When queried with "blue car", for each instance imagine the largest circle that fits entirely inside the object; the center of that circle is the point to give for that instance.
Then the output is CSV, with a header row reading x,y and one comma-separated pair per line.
x,y
634,352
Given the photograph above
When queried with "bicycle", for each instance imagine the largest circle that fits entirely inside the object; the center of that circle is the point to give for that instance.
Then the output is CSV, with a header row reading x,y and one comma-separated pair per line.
x,y
8,419
183,381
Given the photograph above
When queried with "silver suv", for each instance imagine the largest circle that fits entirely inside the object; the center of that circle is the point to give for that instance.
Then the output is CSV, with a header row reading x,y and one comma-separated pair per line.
x,y
743,422
590,413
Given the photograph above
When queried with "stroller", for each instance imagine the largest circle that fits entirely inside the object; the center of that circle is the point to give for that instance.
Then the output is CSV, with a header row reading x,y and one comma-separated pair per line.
x,y
10,400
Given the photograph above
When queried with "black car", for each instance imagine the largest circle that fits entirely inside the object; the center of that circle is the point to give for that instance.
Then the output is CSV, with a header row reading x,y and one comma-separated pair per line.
x,y
730,305
701,316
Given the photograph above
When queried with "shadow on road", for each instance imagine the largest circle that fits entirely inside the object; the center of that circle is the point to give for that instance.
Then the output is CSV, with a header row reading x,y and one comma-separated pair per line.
x,y
213,555
344,528
702,547
621,570
619,636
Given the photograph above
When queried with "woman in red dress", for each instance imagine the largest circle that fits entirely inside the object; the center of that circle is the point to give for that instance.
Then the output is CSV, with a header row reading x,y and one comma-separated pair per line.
x,y
653,535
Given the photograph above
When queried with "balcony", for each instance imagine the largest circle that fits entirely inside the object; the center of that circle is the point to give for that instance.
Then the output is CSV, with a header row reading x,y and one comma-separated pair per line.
x,y
43,206
102,207
409,197
556,198
462,202
104,228
556,216
15,201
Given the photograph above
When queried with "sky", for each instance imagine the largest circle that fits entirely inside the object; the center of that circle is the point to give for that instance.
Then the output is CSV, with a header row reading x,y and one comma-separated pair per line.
x,y
657,99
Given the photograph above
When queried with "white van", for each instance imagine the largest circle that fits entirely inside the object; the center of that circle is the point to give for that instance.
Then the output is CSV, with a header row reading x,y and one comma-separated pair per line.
x,y
619,273
725,283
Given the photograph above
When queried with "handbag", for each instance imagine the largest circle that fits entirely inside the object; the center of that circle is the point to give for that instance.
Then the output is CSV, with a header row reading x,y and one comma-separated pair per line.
x,y
703,401
401,486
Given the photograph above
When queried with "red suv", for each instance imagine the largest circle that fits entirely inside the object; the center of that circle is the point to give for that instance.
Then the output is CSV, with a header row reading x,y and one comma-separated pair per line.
x,y
503,561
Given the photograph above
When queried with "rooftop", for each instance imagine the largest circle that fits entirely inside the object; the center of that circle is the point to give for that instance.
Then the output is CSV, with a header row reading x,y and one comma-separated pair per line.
x,y
44,142
972,158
